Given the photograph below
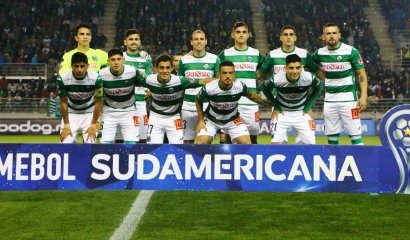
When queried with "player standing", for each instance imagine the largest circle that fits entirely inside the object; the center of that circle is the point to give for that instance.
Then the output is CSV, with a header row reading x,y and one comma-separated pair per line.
x,y
246,60
199,65
97,58
119,81
80,99
141,60
167,94
293,103
342,105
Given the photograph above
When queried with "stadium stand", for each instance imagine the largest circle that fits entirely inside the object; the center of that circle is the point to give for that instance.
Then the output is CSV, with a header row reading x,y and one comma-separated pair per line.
x,y
166,26
37,33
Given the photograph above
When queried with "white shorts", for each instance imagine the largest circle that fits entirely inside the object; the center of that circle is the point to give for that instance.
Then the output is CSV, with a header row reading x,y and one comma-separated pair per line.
x,y
126,122
250,116
189,121
338,114
303,125
142,120
235,128
159,124
78,123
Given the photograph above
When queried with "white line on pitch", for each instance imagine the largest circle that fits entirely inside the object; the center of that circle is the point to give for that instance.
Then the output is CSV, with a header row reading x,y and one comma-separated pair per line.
x,y
133,218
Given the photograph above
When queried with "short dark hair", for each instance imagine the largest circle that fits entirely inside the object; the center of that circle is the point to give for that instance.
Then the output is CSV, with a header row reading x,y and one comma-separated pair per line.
x,y
330,25
287,27
226,64
82,25
114,51
293,58
239,24
163,58
130,32
79,57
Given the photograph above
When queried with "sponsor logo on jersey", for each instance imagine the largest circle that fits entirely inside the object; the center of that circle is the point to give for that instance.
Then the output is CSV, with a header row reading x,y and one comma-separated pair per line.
x,y
225,106
245,66
165,97
198,74
80,95
334,66
118,91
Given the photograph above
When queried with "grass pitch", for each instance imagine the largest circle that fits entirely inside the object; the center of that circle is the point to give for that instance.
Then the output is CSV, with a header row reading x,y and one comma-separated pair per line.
x,y
203,215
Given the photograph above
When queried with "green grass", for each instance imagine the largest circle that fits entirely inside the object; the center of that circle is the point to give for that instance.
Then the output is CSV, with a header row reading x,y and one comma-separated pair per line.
x,y
263,139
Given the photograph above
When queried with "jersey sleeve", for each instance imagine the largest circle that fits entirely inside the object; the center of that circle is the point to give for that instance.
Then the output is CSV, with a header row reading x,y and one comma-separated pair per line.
x,y
310,63
267,64
260,61
222,56
317,90
61,87
216,68
189,83
65,63
102,58
202,96
148,66
140,80
98,92
181,70
356,60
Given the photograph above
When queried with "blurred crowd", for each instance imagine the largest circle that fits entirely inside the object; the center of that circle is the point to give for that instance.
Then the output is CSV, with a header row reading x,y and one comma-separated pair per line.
x,y
40,31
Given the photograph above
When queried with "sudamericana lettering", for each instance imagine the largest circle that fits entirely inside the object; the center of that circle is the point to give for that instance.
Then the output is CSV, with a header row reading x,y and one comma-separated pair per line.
x,y
35,166
223,167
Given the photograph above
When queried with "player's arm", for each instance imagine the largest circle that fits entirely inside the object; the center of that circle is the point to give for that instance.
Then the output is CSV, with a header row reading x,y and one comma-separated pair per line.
x,y
199,109
317,90
255,97
98,96
362,102
204,81
64,112
266,69
64,109
181,70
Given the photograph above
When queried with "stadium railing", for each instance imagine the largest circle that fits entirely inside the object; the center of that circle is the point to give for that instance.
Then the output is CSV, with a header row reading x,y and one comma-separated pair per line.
x,y
25,70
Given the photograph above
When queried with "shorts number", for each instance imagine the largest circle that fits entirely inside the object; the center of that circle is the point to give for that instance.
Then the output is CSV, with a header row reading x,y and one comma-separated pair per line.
x,y
149,128
273,127
184,123
238,121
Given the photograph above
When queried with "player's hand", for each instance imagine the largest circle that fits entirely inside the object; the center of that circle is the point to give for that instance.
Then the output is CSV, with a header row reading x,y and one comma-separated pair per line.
x,y
142,73
362,103
274,116
148,94
310,113
65,133
92,132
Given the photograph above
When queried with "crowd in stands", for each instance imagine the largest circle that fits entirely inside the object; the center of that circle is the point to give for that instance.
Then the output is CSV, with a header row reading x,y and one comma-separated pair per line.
x,y
40,31
166,25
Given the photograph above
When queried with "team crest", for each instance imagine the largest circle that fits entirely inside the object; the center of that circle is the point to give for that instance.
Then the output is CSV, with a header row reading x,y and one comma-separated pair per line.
x,y
139,65
249,58
206,66
339,58
94,58
171,90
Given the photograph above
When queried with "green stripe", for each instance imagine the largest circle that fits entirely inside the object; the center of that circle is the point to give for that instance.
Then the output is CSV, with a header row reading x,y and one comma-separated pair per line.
x,y
340,89
339,74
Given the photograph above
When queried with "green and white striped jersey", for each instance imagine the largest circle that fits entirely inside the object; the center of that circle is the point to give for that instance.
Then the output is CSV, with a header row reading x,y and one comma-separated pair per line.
x,y
206,66
167,97
119,90
340,65
292,96
142,64
246,63
277,59
80,93
223,104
